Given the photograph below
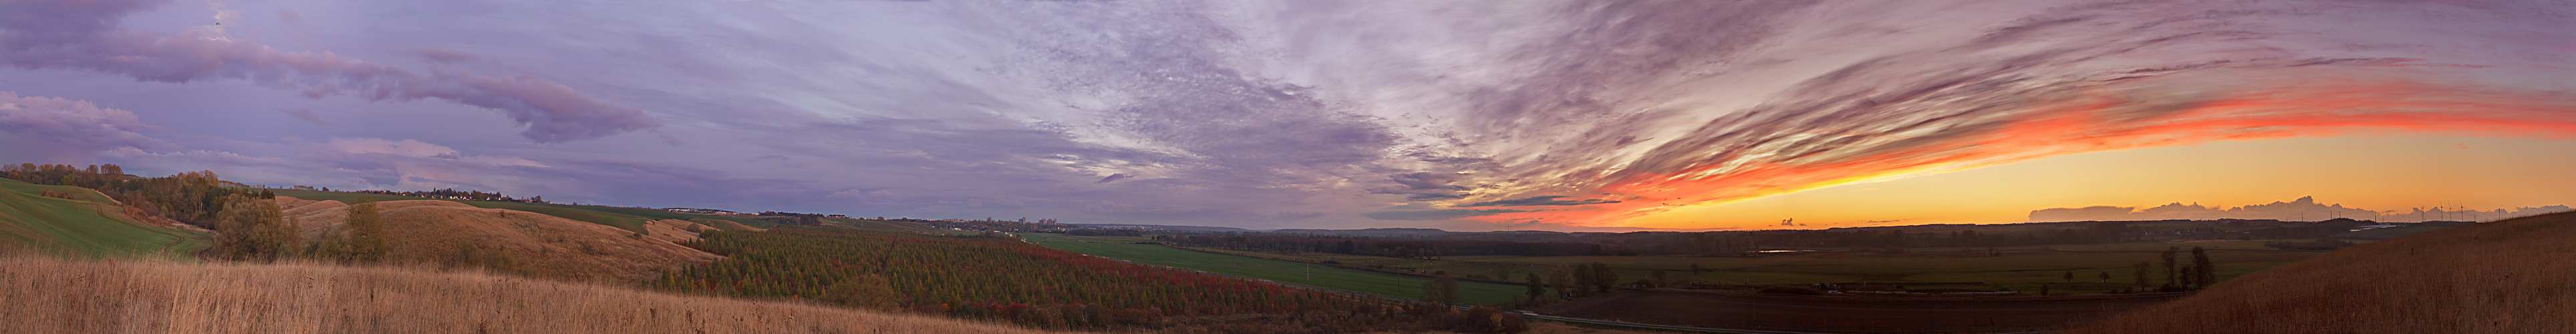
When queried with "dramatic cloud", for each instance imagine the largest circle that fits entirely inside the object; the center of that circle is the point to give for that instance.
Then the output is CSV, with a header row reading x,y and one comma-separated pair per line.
x,y
83,35
1539,200
1913,90
1438,214
52,129
1467,115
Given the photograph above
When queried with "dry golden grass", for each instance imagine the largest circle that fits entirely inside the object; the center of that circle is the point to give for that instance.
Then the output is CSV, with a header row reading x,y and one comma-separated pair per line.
x,y
674,231
2512,276
544,246
55,296
728,225
436,232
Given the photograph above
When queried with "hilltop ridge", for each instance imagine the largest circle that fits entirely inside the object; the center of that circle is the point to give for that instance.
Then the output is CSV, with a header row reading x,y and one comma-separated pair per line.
x,y
2508,276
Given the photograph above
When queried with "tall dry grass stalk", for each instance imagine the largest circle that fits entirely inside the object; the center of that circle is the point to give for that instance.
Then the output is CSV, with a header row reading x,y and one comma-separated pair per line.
x,y
45,295
2512,276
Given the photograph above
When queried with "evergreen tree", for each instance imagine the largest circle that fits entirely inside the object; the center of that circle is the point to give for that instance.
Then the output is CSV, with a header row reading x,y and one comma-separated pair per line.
x,y
868,291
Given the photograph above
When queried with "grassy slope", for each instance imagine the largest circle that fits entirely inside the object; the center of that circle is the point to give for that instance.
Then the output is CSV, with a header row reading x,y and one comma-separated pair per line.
x,y
1281,271
89,226
2511,276
53,296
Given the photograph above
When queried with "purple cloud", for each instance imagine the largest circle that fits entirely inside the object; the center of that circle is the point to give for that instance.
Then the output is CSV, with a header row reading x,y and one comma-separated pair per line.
x,y
82,35
308,116
53,129
1296,114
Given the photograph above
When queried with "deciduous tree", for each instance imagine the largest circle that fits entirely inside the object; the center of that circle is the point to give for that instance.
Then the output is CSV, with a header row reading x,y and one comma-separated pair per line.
x,y
2171,277
253,229
1536,286
367,240
1441,290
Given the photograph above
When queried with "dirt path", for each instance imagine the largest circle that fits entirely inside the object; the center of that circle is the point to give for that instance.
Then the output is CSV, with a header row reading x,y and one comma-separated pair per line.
x,y
1847,314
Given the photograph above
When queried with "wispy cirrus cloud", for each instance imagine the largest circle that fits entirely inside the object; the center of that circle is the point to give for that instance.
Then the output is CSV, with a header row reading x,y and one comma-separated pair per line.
x,y
1540,200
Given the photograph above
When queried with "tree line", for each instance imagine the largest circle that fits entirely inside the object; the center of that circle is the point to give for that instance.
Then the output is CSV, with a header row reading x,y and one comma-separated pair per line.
x,y
248,224
1419,249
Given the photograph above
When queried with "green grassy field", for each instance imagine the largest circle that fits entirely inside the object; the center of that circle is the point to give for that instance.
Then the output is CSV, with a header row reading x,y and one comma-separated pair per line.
x,y
88,226
1280,271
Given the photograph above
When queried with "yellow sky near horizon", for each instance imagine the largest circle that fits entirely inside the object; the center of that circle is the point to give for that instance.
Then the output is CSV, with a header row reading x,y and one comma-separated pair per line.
x,y
2378,172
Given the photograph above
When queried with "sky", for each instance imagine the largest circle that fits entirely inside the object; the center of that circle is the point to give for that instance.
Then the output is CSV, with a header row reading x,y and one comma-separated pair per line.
x,y
1461,115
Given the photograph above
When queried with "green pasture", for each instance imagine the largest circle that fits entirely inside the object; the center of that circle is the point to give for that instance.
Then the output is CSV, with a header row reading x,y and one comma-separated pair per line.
x,y
88,226
1280,271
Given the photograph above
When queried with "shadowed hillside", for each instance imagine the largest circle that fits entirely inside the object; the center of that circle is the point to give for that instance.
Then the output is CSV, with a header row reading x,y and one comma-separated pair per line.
x,y
55,296
2511,276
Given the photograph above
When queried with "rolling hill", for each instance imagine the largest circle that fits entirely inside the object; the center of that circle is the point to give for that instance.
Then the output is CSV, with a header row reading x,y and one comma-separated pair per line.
x,y
2511,276
630,219
452,234
59,296
84,224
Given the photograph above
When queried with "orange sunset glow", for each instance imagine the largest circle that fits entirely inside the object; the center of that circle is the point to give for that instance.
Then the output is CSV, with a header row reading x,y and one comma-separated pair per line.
x,y
2100,119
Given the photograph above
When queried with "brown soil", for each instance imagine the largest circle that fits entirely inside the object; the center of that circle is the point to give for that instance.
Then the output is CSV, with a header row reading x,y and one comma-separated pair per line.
x,y
1847,313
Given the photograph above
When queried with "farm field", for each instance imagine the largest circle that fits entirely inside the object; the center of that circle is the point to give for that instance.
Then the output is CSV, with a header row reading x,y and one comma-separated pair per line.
x,y
1849,314
89,226
2024,269
1281,271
